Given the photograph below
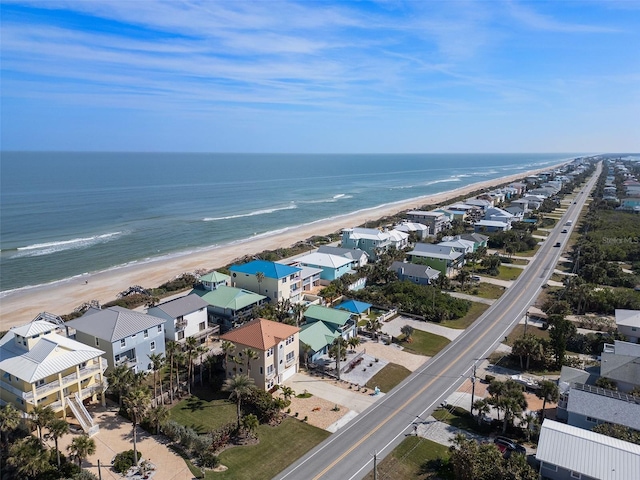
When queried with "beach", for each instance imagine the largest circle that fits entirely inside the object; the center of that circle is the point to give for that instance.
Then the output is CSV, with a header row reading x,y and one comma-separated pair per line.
x,y
21,306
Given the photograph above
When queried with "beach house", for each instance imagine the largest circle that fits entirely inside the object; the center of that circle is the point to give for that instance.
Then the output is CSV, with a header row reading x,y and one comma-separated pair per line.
x,y
399,239
229,307
415,273
322,326
213,280
127,337
264,350
420,230
628,324
491,226
477,239
275,281
39,365
359,258
458,244
436,221
185,317
370,240
442,258
498,214
332,266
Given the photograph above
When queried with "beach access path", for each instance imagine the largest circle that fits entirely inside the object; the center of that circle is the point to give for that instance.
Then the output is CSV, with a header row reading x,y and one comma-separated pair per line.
x,y
21,306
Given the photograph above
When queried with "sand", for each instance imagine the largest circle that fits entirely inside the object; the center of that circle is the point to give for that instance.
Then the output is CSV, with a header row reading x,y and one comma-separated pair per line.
x,y
21,306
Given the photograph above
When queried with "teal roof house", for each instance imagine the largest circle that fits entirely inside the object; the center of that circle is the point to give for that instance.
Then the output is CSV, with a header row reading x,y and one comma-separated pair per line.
x,y
323,325
229,307
276,281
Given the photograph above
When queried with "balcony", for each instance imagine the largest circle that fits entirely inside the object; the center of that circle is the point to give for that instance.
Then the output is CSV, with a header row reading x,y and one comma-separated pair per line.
x,y
181,324
127,361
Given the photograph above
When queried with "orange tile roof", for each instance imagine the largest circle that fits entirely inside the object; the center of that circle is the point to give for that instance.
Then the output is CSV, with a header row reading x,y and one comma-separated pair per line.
x,y
260,333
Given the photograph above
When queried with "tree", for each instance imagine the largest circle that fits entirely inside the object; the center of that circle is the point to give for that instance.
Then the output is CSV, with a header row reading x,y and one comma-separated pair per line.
x,y
287,392
137,403
305,350
606,383
528,346
41,416
260,278
200,351
180,358
29,457
238,386
9,421
250,354
407,330
560,331
463,277
548,392
157,362
474,461
81,447
192,346
157,416
483,407
298,310
530,421
250,424
58,428
491,264
509,397
374,326
227,349
618,431
119,380
171,348
353,342
338,350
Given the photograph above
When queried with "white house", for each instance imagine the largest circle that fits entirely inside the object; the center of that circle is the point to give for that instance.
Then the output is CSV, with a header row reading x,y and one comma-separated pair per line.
x,y
185,317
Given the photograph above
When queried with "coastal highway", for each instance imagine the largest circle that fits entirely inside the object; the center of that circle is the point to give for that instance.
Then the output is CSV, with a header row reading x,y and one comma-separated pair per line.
x,y
348,454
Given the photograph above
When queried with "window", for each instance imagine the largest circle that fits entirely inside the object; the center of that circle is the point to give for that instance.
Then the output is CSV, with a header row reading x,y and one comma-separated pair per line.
x,y
97,342
261,371
146,334
40,382
152,346
83,365
269,352
289,340
180,334
117,358
123,343
576,475
159,328
290,357
202,326
592,420
270,369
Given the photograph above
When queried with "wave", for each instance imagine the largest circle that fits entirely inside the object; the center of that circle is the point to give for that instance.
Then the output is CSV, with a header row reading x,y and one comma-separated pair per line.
x,y
38,249
335,198
250,214
444,180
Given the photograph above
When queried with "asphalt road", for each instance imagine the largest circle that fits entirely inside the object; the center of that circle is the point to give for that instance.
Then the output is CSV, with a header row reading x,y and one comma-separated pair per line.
x,y
348,453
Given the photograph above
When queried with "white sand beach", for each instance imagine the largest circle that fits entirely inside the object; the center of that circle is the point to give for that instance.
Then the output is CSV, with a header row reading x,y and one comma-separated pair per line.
x,y
21,306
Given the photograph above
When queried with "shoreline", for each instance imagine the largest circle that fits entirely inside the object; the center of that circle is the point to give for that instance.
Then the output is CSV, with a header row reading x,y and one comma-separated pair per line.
x,y
60,297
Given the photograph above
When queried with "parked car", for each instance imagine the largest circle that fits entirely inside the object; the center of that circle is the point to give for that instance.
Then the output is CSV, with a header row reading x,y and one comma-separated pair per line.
x,y
506,444
475,278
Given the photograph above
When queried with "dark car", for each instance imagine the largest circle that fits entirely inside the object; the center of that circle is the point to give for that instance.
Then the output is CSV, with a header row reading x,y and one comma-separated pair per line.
x,y
505,444
557,244
564,231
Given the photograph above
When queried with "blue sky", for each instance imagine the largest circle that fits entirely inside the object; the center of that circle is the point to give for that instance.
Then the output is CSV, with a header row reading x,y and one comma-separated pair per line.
x,y
321,76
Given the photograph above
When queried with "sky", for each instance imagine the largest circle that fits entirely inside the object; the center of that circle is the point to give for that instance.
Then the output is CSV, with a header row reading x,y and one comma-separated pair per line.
x,y
313,76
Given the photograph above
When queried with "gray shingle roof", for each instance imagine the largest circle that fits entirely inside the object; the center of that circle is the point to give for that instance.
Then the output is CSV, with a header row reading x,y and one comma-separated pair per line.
x,y
414,270
114,323
182,306
602,407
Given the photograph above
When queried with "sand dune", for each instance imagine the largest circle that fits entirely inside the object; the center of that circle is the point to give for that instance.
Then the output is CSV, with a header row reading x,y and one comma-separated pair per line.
x,y
20,306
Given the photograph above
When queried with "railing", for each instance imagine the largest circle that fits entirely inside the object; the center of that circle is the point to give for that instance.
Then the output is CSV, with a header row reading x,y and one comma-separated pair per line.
x,y
606,393
82,415
126,360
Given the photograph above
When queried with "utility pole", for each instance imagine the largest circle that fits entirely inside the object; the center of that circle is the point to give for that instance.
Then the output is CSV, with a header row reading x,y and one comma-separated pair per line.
x,y
526,322
473,387
375,466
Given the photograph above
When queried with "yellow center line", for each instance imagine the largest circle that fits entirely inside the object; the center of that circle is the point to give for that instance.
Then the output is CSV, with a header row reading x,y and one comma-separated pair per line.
x,y
419,392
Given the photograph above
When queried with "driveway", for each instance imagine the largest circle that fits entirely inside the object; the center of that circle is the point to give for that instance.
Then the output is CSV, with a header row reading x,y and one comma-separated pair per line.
x,y
393,327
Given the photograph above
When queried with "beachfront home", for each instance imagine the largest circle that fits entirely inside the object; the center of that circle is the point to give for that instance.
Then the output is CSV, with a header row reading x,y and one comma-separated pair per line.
x,y
481,203
498,214
331,266
399,239
185,317
621,363
310,278
322,326
418,229
126,336
490,226
628,324
517,211
359,309
436,221
359,258
229,307
458,244
413,272
276,348
566,452
39,365
370,240
213,280
274,280
477,239
444,259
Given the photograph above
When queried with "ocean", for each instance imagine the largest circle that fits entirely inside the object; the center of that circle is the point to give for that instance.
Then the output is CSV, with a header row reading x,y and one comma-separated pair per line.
x,y
67,214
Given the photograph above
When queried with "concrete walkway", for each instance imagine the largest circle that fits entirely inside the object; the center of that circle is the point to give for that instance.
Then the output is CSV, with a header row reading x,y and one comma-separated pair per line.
x,y
472,298
495,281
393,327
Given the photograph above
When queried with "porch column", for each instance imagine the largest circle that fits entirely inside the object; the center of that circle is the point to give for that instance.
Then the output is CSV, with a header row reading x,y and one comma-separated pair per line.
x,y
62,398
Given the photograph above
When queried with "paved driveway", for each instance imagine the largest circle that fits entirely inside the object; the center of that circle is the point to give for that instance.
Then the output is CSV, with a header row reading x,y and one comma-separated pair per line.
x,y
393,327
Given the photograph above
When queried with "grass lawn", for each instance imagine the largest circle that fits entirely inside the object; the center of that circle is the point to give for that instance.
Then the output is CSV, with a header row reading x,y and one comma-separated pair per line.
x,y
387,378
508,273
518,332
515,261
458,417
528,253
472,315
424,343
542,233
279,447
408,460
486,290
204,411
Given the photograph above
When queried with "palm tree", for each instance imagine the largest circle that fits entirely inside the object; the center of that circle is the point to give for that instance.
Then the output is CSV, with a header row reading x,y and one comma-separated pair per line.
x,y
29,457
192,346
200,351
120,379
137,403
374,326
180,358
239,386
81,447
463,276
407,330
287,392
58,428
250,355
227,348
353,342
298,312
41,416
305,350
157,362
548,391
338,350
170,349
9,420
528,346
250,424
483,407
260,279
531,420
157,416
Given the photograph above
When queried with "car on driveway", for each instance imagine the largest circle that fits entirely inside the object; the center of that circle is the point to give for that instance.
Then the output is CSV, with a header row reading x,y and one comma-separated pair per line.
x,y
505,445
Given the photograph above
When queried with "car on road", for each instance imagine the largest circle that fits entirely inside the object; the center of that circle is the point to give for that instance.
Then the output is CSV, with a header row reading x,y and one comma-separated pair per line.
x,y
564,231
557,244
505,445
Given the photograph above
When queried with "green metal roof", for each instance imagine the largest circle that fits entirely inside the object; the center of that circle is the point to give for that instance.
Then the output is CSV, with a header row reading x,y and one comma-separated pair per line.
x,y
317,335
328,315
229,297
215,277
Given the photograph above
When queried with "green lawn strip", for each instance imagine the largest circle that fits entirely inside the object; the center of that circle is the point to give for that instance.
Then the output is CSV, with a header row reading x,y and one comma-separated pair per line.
x,y
408,461
515,261
472,315
424,343
528,253
518,331
460,418
508,273
204,415
542,233
387,378
279,447
486,290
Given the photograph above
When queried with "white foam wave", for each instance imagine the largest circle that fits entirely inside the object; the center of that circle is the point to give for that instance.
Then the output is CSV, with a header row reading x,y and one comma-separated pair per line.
x,y
444,180
251,214
335,198
47,248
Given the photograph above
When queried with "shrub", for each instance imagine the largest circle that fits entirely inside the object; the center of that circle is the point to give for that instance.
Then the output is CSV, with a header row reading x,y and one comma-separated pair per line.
x,y
208,459
489,378
124,461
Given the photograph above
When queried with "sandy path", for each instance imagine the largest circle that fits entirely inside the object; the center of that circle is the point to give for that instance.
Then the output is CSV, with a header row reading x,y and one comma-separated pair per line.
x,y
21,306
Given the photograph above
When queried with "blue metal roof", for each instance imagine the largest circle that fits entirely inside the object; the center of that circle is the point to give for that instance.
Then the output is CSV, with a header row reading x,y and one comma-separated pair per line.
x,y
354,306
270,269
